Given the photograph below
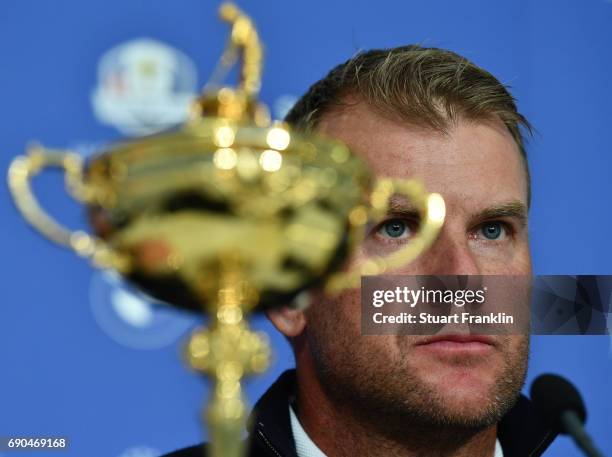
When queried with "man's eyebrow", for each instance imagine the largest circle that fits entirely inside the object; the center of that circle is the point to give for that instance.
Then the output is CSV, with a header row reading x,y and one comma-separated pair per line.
x,y
511,209
514,209
402,206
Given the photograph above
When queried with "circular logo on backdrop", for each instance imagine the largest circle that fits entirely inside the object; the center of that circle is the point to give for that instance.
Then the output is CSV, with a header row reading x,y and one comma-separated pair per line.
x,y
144,86
133,319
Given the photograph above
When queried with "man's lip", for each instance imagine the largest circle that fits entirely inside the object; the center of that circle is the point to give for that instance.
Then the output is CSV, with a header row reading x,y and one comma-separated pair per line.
x,y
483,339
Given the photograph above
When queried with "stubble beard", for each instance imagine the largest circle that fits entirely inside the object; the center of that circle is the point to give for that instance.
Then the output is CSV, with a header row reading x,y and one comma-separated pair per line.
x,y
390,395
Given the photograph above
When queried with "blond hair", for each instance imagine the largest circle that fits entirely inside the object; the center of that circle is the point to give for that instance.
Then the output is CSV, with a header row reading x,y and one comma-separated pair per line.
x,y
429,87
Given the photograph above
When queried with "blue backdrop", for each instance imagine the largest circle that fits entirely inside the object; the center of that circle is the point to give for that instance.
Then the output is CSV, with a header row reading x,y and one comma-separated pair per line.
x,y
81,356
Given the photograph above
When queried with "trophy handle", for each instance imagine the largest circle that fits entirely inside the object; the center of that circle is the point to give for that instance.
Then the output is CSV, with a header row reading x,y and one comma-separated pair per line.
x,y
432,209
23,169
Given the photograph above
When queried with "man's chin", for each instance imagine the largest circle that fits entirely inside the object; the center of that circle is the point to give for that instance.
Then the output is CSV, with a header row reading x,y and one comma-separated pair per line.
x,y
468,408
466,397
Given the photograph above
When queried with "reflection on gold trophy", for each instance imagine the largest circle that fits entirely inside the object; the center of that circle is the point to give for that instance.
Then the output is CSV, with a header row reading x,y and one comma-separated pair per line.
x,y
228,213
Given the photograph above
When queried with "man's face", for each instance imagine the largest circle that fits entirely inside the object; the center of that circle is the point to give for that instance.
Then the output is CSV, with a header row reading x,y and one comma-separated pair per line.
x,y
477,168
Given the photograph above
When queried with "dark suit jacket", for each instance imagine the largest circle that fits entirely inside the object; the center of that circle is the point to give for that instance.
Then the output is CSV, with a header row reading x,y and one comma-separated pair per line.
x,y
522,433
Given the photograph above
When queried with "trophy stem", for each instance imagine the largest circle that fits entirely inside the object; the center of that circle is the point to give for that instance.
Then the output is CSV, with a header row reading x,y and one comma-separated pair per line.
x,y
227,351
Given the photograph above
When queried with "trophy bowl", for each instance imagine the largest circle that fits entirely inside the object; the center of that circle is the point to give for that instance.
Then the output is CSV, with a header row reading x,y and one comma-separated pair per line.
x,y
173,205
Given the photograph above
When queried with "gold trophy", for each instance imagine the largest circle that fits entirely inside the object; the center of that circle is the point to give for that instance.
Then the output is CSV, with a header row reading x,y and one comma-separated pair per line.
x,y
228,213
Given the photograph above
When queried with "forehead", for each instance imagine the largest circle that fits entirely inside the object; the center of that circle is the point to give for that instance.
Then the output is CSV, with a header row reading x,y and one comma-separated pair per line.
x,y
474,162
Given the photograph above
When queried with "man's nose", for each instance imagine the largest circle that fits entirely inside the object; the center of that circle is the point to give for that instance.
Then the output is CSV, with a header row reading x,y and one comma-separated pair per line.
x,y
449,255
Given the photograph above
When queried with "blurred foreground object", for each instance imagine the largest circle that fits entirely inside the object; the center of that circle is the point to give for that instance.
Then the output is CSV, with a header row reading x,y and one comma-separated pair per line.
x,y
228,213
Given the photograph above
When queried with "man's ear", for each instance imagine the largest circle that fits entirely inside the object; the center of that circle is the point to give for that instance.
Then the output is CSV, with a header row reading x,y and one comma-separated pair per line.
x,y
290,321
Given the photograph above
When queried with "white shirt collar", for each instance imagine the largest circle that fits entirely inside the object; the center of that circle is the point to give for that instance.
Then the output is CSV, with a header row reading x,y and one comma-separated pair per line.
x,y
305,447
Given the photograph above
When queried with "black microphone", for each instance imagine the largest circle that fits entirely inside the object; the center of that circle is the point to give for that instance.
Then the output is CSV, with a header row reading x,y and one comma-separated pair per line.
x,y
557,399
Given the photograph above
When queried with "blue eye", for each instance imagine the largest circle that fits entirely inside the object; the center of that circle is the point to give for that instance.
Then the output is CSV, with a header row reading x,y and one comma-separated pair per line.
x,y
492,230
394,228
